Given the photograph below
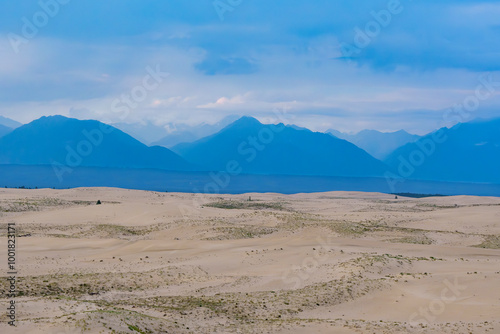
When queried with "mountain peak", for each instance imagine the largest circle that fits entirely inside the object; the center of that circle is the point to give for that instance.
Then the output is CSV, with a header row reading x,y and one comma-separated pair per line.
x,y
293,151
51,119
247,121
244,122
89,143
458,157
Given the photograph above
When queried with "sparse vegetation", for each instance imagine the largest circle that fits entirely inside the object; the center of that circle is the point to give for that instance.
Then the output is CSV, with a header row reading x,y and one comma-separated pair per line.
x,y
29,204
490,242
265,268
247,205
246,232
419,239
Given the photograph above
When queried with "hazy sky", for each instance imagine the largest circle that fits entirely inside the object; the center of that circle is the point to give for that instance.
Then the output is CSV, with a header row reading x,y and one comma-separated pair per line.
x,y
347,65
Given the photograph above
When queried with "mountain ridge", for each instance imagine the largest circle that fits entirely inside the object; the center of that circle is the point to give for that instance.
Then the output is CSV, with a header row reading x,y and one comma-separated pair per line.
x,y
4,130
378,144
70,142
280,149
466,152
10,123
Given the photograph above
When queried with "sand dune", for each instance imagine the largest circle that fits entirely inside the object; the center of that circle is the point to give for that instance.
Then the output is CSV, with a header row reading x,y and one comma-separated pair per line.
x,y
339,262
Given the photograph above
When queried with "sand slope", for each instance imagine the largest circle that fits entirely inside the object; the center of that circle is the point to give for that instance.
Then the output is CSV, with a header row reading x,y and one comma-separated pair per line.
x,y
339,262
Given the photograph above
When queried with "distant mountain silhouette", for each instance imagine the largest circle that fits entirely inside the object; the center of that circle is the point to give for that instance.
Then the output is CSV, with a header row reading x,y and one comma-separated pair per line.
x,y
468,152
4,130
71,142
378,144
9,122
177,137
187,134
279,149
171,134
338,134
146,133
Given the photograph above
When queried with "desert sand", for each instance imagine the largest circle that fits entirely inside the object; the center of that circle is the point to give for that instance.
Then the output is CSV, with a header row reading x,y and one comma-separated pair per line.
x,y
338,262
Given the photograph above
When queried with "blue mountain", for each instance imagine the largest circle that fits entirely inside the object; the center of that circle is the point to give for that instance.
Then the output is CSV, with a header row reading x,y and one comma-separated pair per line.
x,y
4,130
378,144
71,142
279,149
468,152
9,122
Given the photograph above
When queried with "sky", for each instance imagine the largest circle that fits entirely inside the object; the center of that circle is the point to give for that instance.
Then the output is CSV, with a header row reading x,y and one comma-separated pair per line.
x,y
346,65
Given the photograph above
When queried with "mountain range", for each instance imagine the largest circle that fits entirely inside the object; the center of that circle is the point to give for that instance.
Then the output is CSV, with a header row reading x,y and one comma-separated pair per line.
x,y
468,152
279,149
70,142
378,144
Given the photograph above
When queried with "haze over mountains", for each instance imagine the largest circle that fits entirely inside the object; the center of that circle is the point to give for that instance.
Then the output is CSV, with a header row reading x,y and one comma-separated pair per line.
x,y
170,134
146,132
378,144
470,153
10,123
7,125
186,134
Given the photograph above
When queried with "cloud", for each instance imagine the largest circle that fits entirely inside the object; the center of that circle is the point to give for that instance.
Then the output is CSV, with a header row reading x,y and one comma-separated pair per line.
x,y
264,55
225,102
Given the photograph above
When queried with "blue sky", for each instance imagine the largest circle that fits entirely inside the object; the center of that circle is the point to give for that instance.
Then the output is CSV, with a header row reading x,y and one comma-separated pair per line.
x,y
414,64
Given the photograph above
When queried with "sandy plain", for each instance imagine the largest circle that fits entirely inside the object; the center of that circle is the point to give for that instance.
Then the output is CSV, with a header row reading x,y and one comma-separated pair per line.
x,y
338,262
